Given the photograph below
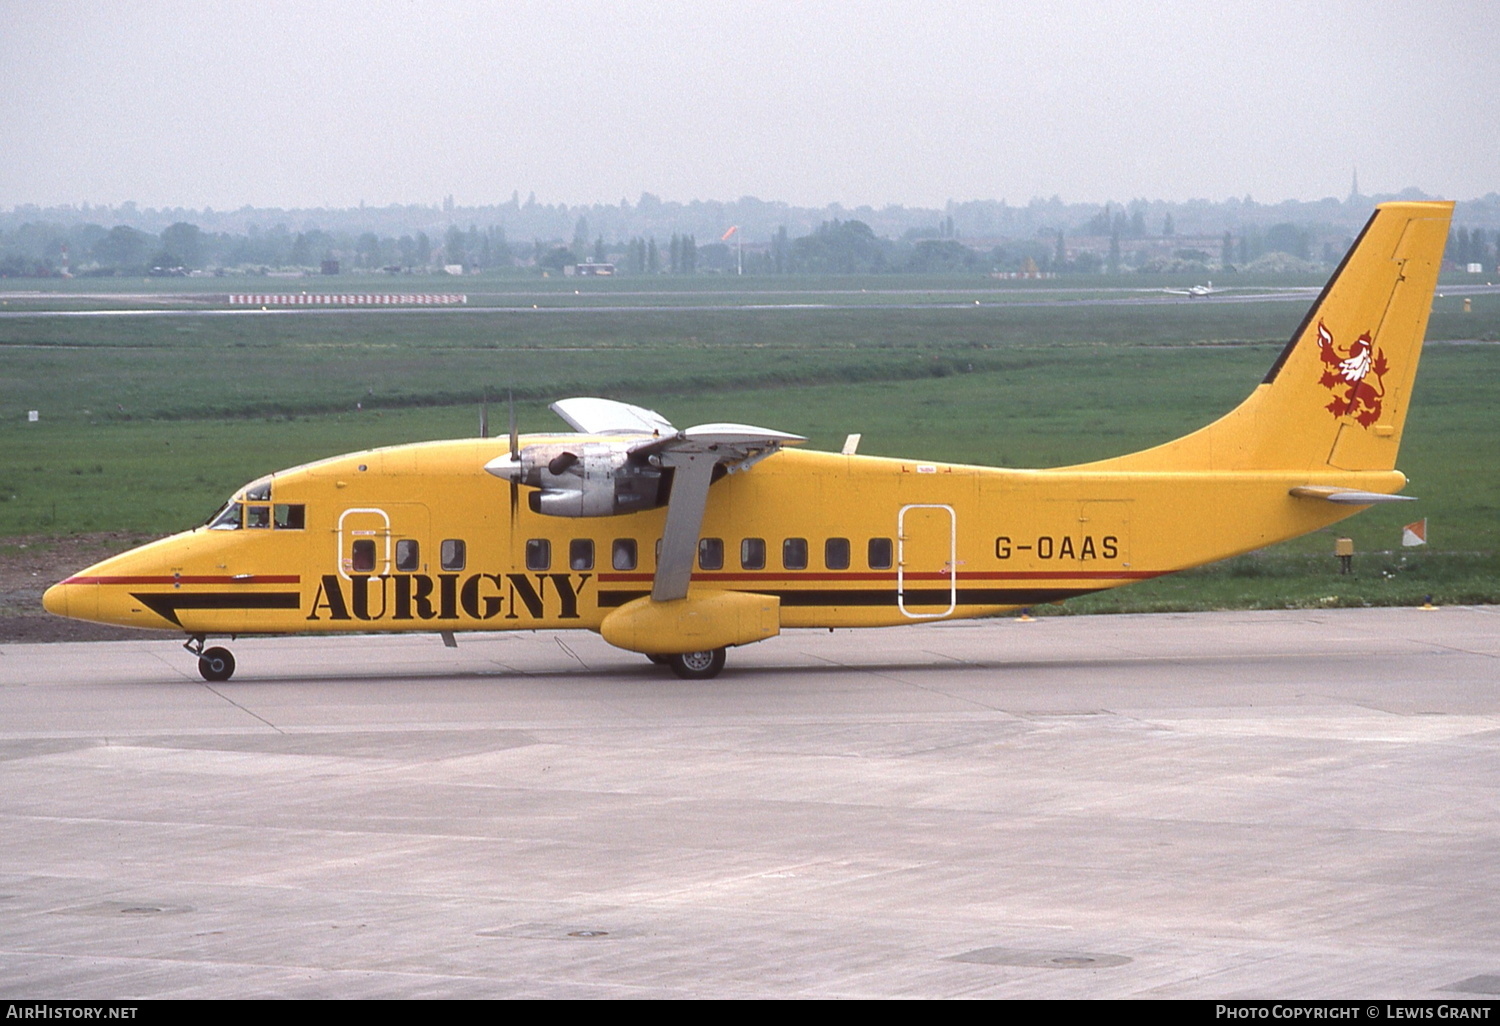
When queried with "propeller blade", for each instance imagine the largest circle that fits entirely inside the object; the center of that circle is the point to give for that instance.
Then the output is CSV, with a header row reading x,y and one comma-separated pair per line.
x,y
484,415
515,439
515,455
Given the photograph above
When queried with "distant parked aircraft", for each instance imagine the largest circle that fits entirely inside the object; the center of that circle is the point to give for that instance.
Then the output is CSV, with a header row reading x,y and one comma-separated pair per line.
x,y
1196,291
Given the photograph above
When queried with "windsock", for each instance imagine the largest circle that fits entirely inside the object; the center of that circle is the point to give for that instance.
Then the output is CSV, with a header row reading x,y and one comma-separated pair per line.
x,y
1415,534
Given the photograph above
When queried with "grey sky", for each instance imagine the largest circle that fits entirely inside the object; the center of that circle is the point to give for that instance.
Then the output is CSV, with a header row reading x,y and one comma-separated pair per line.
x,y
308,103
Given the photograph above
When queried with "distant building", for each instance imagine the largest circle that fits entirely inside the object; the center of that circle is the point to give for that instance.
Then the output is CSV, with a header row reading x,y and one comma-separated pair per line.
x,y
591,269
330,267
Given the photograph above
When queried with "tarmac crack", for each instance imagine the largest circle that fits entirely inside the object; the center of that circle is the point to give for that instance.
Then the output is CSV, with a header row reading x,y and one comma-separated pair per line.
x,y
564,646
249,712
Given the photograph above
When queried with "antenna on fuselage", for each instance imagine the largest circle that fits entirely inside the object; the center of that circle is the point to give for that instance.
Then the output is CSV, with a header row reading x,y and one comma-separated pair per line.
x,y
484,414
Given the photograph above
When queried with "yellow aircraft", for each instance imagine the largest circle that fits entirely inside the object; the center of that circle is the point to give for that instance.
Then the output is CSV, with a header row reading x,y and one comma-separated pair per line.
x,y
681,543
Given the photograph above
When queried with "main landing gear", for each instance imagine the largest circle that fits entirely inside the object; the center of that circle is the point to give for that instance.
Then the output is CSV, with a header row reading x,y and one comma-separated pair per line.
x,y
693,665
214,664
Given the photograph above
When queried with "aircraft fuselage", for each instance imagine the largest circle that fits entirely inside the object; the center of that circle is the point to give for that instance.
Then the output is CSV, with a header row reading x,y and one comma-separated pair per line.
x,y
414,538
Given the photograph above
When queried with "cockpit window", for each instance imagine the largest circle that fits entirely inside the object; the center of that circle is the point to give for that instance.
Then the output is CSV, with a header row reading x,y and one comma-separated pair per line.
x,y
257,516
226,519
290,516
260,491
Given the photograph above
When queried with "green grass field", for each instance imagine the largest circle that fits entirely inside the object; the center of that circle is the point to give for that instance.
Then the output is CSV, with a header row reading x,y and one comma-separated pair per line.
x,y
147,422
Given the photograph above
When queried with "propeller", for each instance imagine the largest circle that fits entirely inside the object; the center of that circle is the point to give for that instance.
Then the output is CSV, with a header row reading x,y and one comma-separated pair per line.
x,y
515,458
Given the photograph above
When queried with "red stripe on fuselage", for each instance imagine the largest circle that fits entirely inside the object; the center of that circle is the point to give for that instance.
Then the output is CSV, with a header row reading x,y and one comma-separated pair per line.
x,y
793,576
189,579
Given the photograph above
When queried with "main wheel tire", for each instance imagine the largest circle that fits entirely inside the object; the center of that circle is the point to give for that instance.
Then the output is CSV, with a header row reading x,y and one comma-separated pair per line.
x,y
697,665
216,664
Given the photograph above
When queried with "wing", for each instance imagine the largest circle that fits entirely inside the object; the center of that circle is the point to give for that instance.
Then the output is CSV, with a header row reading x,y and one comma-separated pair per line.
x,y
694,454
594,416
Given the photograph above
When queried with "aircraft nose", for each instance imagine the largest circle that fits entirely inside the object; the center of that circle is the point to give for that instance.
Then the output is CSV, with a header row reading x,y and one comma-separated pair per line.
x,y
72,599
55,600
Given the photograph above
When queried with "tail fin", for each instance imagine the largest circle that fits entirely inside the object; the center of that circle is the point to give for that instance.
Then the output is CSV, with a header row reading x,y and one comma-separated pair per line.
x,y
1336,398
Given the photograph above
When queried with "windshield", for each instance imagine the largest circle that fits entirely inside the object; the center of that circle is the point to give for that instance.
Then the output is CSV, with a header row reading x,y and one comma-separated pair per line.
x,y
226,519
251,507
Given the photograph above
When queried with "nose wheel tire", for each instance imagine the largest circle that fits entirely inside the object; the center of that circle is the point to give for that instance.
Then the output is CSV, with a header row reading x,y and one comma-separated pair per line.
x,y
697,665
216,664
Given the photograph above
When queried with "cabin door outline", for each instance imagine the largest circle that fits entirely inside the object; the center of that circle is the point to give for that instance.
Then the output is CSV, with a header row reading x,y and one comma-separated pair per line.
x,y
926,557
364,523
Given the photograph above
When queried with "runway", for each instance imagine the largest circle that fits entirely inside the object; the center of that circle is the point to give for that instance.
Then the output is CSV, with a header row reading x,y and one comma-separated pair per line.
x,y
1293,804
563,305
559,303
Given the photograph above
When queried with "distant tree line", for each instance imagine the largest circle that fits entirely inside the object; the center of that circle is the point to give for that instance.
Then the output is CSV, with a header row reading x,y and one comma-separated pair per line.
x,y
1472,247
1113,240
981,223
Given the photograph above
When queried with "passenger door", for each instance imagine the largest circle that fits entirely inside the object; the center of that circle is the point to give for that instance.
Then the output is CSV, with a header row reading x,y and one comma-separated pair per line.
x,y
926,560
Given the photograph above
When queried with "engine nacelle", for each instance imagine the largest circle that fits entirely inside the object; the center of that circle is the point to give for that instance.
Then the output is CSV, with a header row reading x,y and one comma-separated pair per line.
x,y
591,479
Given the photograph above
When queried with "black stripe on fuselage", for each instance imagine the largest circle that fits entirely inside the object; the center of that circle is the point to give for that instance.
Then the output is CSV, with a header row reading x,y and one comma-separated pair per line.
x,y
166,604
887,596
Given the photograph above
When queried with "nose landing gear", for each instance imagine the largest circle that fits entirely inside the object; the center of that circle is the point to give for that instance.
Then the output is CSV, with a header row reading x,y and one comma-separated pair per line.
x,y
214,664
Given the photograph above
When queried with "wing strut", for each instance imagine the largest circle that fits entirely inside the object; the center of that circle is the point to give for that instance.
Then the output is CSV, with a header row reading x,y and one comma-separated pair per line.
x,y
693,454
679,541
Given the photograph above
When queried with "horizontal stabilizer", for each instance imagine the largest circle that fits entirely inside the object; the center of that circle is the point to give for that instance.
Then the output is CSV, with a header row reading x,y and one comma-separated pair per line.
x,y
1347,496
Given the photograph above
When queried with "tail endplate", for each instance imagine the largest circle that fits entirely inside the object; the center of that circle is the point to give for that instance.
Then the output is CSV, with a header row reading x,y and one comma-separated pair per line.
x,y
1337,396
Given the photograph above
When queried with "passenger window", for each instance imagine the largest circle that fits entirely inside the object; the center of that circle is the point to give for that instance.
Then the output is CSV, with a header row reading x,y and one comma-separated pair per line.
x,y
408,556
257,516
710,553
880,554
453,554
538,554
290,517
836,553
753,554
364,556
794,554
581,554
623,554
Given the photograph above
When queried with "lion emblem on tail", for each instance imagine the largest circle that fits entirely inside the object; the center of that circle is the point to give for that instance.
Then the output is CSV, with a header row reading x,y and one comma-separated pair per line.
x,y
1356,377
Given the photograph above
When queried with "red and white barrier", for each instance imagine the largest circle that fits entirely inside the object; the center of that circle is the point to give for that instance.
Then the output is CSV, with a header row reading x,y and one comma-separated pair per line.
x,y
347,299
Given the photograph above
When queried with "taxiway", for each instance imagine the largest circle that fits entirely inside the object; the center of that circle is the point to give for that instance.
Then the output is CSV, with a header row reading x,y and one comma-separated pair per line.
x,y
1283,804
